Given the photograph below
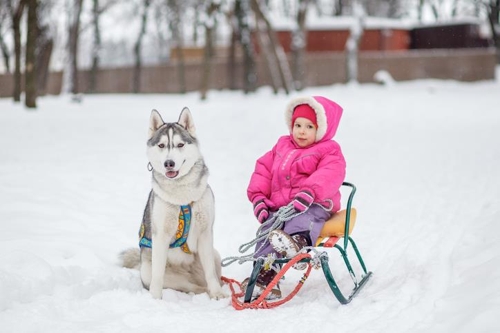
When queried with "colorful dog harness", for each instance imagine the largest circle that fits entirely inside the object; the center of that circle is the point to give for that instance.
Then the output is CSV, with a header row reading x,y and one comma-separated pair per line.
x,y
180,236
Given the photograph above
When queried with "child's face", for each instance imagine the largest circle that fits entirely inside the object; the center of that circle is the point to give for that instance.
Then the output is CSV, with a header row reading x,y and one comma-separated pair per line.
x,y
303,132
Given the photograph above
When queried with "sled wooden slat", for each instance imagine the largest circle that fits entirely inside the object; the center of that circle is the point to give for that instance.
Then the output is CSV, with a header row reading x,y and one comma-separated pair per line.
x,y
327,241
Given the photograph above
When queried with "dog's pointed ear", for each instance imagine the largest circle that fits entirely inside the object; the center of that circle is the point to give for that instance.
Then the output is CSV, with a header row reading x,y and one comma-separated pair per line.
x,y
155,122
186,121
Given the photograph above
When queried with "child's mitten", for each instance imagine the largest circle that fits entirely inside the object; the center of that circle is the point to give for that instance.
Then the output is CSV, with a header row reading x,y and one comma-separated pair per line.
x,y
260,210
303,200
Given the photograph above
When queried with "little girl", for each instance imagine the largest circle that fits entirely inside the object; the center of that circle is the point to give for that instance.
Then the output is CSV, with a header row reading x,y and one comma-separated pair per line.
x,y
305,168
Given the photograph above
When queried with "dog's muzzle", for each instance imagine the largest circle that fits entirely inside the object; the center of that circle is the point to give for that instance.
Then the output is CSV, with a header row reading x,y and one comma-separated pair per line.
x,y
170,165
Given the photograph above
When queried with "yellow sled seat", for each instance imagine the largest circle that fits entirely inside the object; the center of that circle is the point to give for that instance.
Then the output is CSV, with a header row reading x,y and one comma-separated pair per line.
x,y
335,227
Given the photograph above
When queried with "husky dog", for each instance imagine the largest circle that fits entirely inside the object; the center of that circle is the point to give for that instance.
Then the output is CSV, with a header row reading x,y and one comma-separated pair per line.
x,y
176,235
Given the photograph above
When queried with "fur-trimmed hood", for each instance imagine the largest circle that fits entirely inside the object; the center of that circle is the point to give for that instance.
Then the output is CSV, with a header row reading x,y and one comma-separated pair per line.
x,y
328,114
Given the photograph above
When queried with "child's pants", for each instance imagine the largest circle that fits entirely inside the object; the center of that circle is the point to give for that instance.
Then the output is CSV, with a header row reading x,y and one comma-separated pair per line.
x,y
311,222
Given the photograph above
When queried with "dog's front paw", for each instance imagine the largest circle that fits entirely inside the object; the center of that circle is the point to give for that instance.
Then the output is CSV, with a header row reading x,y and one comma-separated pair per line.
x,y
157,293
218,294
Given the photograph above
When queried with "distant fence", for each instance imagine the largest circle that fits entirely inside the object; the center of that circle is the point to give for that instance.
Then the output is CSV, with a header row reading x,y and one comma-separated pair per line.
x,y
322,68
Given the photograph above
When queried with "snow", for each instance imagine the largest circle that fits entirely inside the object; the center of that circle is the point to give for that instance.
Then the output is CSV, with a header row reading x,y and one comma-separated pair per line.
x,y
424,157
315,23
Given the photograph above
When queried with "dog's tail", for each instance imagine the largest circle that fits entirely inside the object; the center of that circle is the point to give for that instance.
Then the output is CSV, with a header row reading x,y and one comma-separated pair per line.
x,y
130,258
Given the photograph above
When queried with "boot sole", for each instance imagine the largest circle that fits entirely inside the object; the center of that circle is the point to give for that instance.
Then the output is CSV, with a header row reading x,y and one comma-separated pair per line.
x,y
284,244
258,289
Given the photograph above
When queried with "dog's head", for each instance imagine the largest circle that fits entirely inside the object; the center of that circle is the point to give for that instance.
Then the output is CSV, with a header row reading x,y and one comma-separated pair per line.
x,y
172,147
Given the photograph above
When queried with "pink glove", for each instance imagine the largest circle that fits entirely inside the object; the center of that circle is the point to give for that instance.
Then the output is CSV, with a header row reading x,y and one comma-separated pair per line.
x,y
260,210
302,201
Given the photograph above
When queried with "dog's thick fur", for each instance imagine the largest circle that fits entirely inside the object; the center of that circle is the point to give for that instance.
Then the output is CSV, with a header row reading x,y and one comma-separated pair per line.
x,y
179,177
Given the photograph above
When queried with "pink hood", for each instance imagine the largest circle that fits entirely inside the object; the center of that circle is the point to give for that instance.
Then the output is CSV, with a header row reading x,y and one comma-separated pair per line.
x,y
288,169
328,114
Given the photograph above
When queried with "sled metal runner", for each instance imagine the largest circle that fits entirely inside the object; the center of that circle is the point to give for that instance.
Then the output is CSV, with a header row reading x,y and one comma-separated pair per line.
x,y
330,241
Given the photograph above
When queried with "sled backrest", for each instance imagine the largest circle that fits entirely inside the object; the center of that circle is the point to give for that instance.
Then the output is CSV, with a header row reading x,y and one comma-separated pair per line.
x,y
341,221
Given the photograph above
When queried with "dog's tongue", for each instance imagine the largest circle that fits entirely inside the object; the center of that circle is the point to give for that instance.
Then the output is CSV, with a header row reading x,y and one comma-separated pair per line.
x,y
171,174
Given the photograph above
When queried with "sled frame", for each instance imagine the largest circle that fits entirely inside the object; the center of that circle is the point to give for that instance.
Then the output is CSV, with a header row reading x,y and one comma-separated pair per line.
x,y
324,259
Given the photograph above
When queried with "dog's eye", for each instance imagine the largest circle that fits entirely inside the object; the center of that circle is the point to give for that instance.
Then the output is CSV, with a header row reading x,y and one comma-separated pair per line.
x,y
180,145
161,145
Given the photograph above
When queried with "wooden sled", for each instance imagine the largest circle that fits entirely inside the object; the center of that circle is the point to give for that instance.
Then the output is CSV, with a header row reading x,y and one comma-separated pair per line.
x,y
332,232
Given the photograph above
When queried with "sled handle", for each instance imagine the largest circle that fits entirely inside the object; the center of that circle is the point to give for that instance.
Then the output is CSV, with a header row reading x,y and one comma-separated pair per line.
x,y
348,212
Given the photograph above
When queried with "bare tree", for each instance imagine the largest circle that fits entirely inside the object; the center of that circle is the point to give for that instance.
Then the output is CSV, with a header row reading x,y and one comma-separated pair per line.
x,y
436,7
212,8
30,67
70,81
5,54
243,33
299,44
420,10
266,49
161,34
493,9
454,8
339,7
231,63
96,47
199,9
98,8
4,17
352,43
17,9
273,51
174,20
138,47
45,45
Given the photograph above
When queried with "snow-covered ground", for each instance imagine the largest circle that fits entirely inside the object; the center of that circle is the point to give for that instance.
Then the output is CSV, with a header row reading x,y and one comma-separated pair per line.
x,y
424,156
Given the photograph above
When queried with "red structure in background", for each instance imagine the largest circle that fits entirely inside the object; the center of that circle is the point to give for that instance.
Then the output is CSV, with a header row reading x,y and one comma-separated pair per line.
x,y
384,39
390,35
448,36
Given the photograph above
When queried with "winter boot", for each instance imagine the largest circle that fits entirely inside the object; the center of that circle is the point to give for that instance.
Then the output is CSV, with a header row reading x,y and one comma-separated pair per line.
x,y
288,246
263,279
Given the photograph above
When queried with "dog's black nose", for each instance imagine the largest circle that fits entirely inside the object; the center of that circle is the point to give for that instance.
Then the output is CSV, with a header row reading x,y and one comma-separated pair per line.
x,y
169,164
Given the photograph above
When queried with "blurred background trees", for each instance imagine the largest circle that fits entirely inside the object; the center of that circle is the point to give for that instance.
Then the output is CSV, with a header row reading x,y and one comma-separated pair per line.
x,y
74,35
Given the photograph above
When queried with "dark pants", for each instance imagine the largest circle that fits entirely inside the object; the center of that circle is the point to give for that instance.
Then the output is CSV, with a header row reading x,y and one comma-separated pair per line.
x,y
309,223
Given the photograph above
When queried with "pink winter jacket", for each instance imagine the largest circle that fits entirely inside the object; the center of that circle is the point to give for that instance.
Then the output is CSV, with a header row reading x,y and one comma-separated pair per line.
x,y
287,168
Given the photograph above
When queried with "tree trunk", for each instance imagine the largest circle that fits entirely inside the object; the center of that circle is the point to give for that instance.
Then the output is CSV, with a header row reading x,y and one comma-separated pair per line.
x,y
353,42
96,48
299,44
5,54
209,48
74,34
494,20
181,68
339,8
30,67
231,63
138,47
242,12
270,61
454,8
435,11
420,10
275,48
207,60
175,27
44,54
44,47
17,14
